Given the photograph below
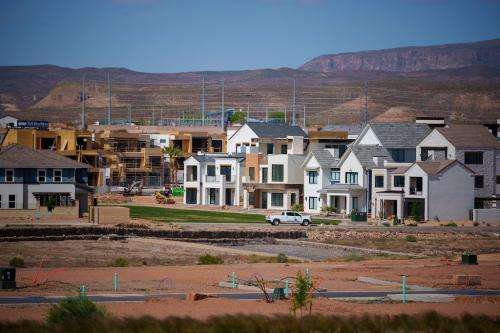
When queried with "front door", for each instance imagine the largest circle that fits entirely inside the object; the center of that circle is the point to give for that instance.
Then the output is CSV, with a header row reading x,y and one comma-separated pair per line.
x,y
228,197
264,200
293,199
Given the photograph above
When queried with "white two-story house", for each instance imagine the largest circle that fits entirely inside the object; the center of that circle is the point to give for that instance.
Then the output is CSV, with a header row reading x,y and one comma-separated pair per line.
x,y
213,179
472,145
432,190
321,170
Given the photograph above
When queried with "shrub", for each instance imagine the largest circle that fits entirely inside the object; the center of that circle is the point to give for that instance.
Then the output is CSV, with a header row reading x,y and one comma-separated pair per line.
x,y
411,238
298,207
238,117
475,224
17,261
74,310
386,224
209,259
451,224
281,258
120,262
354,257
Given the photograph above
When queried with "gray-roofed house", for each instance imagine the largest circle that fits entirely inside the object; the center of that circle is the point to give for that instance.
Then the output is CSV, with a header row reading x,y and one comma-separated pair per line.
x,y
267,138
474,146
213,179
400,139
38,179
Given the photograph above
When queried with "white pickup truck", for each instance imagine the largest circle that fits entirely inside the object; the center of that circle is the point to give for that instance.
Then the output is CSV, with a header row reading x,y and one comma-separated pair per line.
x,y
289,217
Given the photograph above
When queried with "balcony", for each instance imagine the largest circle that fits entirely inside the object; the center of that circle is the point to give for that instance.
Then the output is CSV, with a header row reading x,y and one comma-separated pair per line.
x,y
220,178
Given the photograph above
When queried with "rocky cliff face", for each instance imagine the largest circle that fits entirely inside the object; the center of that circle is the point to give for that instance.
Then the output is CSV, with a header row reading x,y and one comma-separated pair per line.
x,y
411,59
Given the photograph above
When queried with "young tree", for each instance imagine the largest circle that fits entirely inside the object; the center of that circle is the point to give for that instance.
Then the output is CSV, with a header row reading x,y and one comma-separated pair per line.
x,y
173,153
302,293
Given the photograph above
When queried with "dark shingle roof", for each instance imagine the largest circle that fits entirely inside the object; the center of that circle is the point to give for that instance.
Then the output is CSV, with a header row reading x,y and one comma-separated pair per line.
x,y
267,130
325,158
350,129
366,153
469,136
436,167
15,156
400,135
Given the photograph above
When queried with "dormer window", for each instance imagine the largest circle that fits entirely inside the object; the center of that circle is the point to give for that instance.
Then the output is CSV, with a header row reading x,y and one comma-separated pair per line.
x,y
42,175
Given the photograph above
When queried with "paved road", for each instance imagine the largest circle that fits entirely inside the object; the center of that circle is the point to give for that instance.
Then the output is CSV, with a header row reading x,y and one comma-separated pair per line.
x,y
240,296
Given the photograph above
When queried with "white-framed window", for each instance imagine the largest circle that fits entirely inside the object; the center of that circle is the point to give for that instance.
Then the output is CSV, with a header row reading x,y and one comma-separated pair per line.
x,y
12,201
277,199
57,176
9,175
313,177
42,175
335,175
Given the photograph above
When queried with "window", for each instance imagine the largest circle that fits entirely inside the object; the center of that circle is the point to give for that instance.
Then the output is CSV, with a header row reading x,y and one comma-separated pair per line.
x,y
498,180
226,171
57,176
399,181
12,201
379,181
355,204
415,185
211,170
41,176
270,148
264,175
290,214
277,199
478,181
351,177
284,149
313,177
398,155
473,157
277,172
251,173
163,140
335,175
9,175
313,203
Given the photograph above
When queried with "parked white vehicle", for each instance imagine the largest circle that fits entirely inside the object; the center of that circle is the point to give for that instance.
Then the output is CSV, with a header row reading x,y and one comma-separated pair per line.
x,y
289,217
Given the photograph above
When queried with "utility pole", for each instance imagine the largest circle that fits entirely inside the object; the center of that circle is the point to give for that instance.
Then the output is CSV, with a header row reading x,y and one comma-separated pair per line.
x,y
223,120
161,116
267,112
293,104
304,120
83,102
108,120
285,114
203,101
248,110
365,115
129,114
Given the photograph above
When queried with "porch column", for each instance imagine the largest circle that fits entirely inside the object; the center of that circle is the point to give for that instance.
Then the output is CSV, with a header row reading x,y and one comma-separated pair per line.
x,y
203,195
375,208
222,196
199,195
348,204
245,198
286,200
399,208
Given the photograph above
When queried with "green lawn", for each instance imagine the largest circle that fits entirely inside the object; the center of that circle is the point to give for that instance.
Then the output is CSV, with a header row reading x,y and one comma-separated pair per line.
x,y
201,216
191,215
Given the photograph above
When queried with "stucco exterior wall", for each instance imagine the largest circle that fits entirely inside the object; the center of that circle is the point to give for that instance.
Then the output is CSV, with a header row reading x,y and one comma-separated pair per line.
x,y
451,195
487,169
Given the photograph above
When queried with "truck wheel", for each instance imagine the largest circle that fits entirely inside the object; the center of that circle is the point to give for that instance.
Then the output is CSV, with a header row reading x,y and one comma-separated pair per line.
x,y
305,223
276,222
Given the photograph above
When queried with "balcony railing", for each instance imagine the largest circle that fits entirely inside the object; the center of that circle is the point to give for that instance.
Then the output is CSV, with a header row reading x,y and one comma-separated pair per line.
x,y
415,191
219,178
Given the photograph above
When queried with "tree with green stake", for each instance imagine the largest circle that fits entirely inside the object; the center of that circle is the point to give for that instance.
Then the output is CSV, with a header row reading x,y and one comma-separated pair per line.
x,y
302,293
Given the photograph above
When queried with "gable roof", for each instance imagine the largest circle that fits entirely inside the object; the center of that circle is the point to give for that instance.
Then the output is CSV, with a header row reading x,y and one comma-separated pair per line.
x,y
400,135
437,167
19,157
469,136
366,153
269,130
324,157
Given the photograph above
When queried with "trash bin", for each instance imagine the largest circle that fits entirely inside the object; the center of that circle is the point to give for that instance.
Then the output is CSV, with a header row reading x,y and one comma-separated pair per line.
x,y
469,259
7,278
358,217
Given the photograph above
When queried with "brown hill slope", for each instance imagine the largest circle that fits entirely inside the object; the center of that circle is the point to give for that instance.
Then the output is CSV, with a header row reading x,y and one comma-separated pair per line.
x,y
411,59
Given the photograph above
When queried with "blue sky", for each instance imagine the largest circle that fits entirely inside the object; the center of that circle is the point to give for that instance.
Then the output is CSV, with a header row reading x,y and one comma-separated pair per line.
x,y
186,35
